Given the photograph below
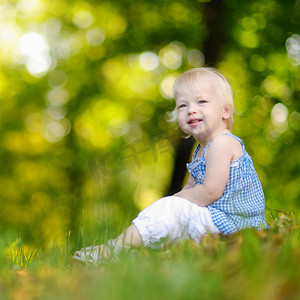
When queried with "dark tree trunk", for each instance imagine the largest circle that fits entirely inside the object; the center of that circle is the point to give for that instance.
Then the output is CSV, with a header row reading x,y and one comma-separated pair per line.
x,y
214,13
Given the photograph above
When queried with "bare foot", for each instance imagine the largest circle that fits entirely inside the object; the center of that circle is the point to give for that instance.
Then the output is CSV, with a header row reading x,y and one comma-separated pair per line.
x,y
93,254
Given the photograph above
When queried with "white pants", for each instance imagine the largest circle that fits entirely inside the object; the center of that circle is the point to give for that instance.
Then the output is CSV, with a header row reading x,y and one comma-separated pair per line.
x,y
170,219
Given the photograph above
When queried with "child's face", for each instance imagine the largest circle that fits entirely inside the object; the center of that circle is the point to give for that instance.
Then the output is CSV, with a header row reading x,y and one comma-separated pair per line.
x,y
201,110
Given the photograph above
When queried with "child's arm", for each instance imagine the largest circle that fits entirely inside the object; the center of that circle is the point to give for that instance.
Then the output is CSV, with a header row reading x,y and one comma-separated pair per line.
x,y
218,158
190,183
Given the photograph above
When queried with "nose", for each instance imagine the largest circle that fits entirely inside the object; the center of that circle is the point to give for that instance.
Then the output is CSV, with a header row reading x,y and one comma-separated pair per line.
x,y
192,109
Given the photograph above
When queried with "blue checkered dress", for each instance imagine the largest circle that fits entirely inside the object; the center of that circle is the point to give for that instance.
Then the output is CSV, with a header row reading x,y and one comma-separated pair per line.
x,y
242,203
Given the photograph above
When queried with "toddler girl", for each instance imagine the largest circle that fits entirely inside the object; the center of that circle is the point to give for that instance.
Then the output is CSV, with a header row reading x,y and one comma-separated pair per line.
x,y
223,193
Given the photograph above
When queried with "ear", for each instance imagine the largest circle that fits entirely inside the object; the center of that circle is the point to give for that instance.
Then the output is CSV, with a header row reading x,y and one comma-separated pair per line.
x,y
227,112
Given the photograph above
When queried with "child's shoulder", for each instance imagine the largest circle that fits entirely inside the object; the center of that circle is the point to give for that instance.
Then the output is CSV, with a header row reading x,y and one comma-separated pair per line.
x,y
227,143
226,139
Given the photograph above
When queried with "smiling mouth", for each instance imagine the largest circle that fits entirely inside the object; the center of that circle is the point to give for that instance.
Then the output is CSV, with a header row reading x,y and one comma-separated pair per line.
x,y
195,121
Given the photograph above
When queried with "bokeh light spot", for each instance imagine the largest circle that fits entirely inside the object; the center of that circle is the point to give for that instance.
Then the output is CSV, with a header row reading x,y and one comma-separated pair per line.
x,y
294,120
166,87
52,26
39,65
57,96
279,116
258,63
293,48
115,26
171,56
83,19
260,20
95,36
249,23
57,79
249,39
27,6
176,11
195,58
35,48
112,69
32,43
56,130
148,61
56,113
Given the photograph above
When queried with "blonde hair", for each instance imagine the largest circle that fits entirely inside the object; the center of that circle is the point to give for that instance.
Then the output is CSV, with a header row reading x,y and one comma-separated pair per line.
x,y
193,77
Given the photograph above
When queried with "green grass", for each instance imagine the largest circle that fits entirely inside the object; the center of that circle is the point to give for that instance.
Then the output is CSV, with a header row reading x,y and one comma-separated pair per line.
x,y
247,265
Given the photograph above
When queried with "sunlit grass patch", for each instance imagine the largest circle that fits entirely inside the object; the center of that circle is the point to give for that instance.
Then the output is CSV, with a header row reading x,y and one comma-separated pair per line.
x,y
20,255
247,265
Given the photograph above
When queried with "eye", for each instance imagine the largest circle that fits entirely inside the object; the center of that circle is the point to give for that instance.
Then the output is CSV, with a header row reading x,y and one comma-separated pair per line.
x,y
202,101
182,106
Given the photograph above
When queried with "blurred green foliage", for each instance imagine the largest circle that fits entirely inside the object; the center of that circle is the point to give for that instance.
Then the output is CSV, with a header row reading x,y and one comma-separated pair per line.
x,y
84,88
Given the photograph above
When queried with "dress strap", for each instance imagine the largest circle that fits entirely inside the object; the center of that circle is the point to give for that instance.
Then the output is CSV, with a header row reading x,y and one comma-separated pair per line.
x,y
204,150
197,150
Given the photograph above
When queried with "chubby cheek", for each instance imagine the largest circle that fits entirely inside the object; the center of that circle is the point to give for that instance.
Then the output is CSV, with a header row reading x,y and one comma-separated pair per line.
x,y
180,120
183,126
